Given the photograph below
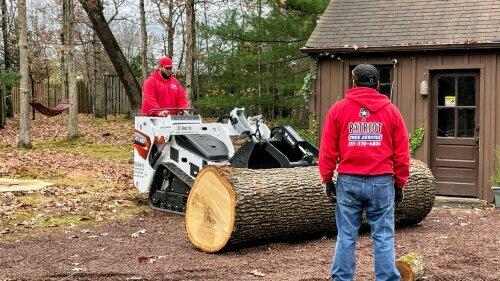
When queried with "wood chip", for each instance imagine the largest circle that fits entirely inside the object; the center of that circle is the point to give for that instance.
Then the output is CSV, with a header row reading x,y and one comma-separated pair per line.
x,y
255,272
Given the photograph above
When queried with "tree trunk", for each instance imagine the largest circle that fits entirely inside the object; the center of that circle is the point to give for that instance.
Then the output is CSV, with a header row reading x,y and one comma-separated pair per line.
x,y
24,132
232,208
2,105
69,22
47,73
163,40
183,50
64,66
411,266
144,42
170,29
5,35
6,52
64,55
32,87
98,79
132,88
190,48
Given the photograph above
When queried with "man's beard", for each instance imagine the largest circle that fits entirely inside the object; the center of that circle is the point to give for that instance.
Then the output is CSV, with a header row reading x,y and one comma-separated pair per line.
x,y
164,75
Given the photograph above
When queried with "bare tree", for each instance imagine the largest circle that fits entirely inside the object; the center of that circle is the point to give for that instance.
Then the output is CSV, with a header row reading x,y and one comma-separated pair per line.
x,y
93,8
64,57
144,42
5,35
98,79
6,56
24,130
183,44
169,22
190,47
171,28
69,50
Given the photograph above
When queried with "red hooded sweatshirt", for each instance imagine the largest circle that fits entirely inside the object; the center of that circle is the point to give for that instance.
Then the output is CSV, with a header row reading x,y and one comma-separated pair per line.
x,y
158,93
366,135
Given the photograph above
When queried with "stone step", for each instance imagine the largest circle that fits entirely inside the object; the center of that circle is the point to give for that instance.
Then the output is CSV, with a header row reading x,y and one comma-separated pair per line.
x,y
459,202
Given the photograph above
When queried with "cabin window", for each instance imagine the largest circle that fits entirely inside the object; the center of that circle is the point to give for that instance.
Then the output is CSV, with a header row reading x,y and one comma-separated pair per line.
x,y
456,105
386,77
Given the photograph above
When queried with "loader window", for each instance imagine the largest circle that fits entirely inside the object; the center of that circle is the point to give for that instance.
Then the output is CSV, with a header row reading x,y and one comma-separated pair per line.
x,y
386,78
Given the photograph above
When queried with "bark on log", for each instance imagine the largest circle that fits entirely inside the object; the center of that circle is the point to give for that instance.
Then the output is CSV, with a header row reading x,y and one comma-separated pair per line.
x,y
230,207
411,267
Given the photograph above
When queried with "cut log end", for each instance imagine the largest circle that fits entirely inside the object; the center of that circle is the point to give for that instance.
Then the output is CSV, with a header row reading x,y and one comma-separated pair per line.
x,y
210,211
411,266
405,271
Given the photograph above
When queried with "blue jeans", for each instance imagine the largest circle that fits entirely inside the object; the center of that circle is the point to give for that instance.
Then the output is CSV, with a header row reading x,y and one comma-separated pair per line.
x,y
375,196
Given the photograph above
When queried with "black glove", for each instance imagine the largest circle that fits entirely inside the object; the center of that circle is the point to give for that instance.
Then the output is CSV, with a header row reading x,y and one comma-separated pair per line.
x,y
399,195
331,192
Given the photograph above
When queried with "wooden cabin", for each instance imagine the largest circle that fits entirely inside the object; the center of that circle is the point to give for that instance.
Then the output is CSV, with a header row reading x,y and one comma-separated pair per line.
x,y
439,63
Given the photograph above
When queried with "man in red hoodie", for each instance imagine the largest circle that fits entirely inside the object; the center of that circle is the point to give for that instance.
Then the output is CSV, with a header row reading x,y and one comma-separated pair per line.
x,y
162,90
365,139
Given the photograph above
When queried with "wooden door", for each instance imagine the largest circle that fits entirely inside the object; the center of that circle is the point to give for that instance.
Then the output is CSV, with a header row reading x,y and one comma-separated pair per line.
x,y
455,132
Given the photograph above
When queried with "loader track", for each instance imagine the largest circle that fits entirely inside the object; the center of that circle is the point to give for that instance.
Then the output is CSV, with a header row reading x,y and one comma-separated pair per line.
x,y
181,176
185,178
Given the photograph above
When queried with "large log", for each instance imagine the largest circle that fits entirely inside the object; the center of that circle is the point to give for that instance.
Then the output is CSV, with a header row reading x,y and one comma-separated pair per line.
x,y
231,207
411,266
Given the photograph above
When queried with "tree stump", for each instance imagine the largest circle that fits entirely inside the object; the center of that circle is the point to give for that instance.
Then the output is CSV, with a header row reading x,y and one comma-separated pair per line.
x,y
411,266
233,207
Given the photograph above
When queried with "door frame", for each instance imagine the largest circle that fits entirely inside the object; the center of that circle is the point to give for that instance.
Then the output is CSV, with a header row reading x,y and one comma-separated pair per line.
x,y
430,73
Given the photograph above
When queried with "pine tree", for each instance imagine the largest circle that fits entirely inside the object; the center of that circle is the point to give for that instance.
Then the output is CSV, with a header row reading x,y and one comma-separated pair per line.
x,y
254,59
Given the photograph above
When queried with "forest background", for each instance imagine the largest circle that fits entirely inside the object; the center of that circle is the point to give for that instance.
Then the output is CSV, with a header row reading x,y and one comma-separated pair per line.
x,y
227,53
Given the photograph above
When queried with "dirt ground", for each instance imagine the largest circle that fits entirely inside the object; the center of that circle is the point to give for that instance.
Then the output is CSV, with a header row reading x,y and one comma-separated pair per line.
x,y
456,245
92,224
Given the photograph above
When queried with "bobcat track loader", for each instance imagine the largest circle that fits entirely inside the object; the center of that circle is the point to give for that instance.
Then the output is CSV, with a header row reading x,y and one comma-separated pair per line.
x,y
170,151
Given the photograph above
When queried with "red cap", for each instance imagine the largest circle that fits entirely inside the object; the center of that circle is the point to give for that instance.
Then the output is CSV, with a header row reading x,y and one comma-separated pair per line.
x,y
165,62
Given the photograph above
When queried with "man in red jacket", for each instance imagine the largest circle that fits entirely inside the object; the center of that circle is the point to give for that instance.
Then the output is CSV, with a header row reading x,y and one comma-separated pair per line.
x,y
162,90
365,139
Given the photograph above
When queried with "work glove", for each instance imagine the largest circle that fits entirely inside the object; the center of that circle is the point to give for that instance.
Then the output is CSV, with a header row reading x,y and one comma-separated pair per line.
x,y
330,191
399,195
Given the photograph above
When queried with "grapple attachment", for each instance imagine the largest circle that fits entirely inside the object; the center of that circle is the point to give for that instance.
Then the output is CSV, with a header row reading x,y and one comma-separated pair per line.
x,y
285,149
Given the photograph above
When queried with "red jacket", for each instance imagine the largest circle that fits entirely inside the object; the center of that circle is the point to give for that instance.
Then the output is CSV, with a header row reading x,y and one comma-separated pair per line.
x,y
158,92
366,134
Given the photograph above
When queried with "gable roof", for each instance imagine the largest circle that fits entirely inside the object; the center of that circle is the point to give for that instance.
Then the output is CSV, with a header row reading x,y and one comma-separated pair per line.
x,y
400,24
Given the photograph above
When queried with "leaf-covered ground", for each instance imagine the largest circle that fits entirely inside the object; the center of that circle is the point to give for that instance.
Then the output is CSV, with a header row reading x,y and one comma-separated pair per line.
x,y
93,225
92,175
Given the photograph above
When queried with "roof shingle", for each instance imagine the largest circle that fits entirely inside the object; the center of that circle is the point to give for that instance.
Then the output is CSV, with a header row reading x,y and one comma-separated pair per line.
x,y
387,23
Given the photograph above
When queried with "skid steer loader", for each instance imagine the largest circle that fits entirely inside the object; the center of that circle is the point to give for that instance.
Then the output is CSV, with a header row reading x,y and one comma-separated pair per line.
x,y
170,151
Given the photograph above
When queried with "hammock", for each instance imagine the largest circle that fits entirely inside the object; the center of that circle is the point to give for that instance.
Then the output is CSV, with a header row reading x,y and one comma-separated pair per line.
x,y
62,106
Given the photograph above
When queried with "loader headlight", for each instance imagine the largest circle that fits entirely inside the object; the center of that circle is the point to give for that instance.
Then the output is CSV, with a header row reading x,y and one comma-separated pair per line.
x,y
142,143
140,139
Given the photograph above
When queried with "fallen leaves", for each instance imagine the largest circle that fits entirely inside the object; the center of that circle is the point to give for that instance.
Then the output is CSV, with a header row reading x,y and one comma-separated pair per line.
x,y
6,231
142,258
441,237
78,269
91,176
138,233
255,272
150,259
